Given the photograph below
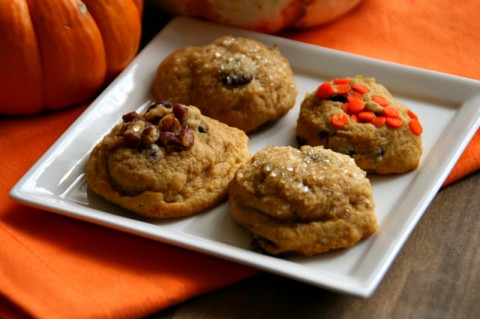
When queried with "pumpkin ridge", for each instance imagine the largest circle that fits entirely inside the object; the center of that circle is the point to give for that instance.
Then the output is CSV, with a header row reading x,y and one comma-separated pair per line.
x,y
40,53
67,37
19,76
55,54
120,31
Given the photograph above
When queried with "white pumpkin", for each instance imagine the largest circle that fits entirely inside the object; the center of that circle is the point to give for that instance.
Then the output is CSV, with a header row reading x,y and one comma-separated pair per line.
x,y
261,15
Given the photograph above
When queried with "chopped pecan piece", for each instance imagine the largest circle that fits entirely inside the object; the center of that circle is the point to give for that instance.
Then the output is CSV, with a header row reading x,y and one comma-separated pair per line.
x,y
186,136
133,133
131,117
180,111
169,123
150,135
161,124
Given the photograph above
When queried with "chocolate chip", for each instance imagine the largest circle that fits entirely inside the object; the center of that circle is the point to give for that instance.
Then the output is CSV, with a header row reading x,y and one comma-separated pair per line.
x,y
167,104
263,245
237,70
301,140
380,152
235,80
350,153
338,98
202,128
153,151
323,134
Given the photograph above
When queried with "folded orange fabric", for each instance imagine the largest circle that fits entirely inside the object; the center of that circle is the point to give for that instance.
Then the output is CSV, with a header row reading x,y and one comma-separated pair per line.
x,y
52,266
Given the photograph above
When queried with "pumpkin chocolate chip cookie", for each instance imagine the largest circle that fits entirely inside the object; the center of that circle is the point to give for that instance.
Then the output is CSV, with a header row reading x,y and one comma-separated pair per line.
x,y
169,161
306,201
359,117
235,80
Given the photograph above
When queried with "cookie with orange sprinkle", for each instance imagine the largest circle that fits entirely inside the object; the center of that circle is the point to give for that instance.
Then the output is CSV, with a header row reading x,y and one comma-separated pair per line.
x,y
359,117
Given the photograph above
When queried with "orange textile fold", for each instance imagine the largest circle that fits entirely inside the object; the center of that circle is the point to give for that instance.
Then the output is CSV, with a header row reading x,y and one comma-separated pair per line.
x,y
55,267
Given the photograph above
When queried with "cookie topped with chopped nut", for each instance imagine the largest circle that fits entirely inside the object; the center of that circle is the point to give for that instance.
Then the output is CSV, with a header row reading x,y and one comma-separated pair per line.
x,y
168,161
304,201
235,80
359,117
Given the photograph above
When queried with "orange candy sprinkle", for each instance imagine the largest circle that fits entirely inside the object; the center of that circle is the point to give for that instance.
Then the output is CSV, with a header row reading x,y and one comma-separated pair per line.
x,y
415,127
342,88
380,100
354,96
390,111
412,115
362,89
394,122
354,108
339,119
366,116
378,121
355,105
341,81
325,90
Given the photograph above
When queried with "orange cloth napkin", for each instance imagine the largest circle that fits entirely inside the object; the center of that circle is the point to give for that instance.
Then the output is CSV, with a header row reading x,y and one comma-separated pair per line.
x,y
55,267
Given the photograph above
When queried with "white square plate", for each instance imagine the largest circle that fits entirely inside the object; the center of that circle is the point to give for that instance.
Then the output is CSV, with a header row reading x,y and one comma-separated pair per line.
x,y
448,107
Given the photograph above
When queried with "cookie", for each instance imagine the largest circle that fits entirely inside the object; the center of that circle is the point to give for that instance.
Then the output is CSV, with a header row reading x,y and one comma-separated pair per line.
x,y
306,201
169,161
359,117
235,80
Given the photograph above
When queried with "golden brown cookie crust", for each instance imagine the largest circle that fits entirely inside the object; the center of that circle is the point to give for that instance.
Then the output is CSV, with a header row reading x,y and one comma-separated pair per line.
x,y
178,176
378,149
306,201
238,81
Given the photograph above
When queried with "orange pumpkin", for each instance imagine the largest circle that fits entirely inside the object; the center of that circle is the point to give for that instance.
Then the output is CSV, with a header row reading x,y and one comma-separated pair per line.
x,y
261,15
57,53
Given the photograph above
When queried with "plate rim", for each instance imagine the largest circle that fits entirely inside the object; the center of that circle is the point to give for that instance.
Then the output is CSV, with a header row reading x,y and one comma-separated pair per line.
x,y
362,288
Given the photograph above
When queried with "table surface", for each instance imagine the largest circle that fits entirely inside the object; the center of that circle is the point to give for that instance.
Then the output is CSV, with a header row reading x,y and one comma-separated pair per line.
x,y
435,275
